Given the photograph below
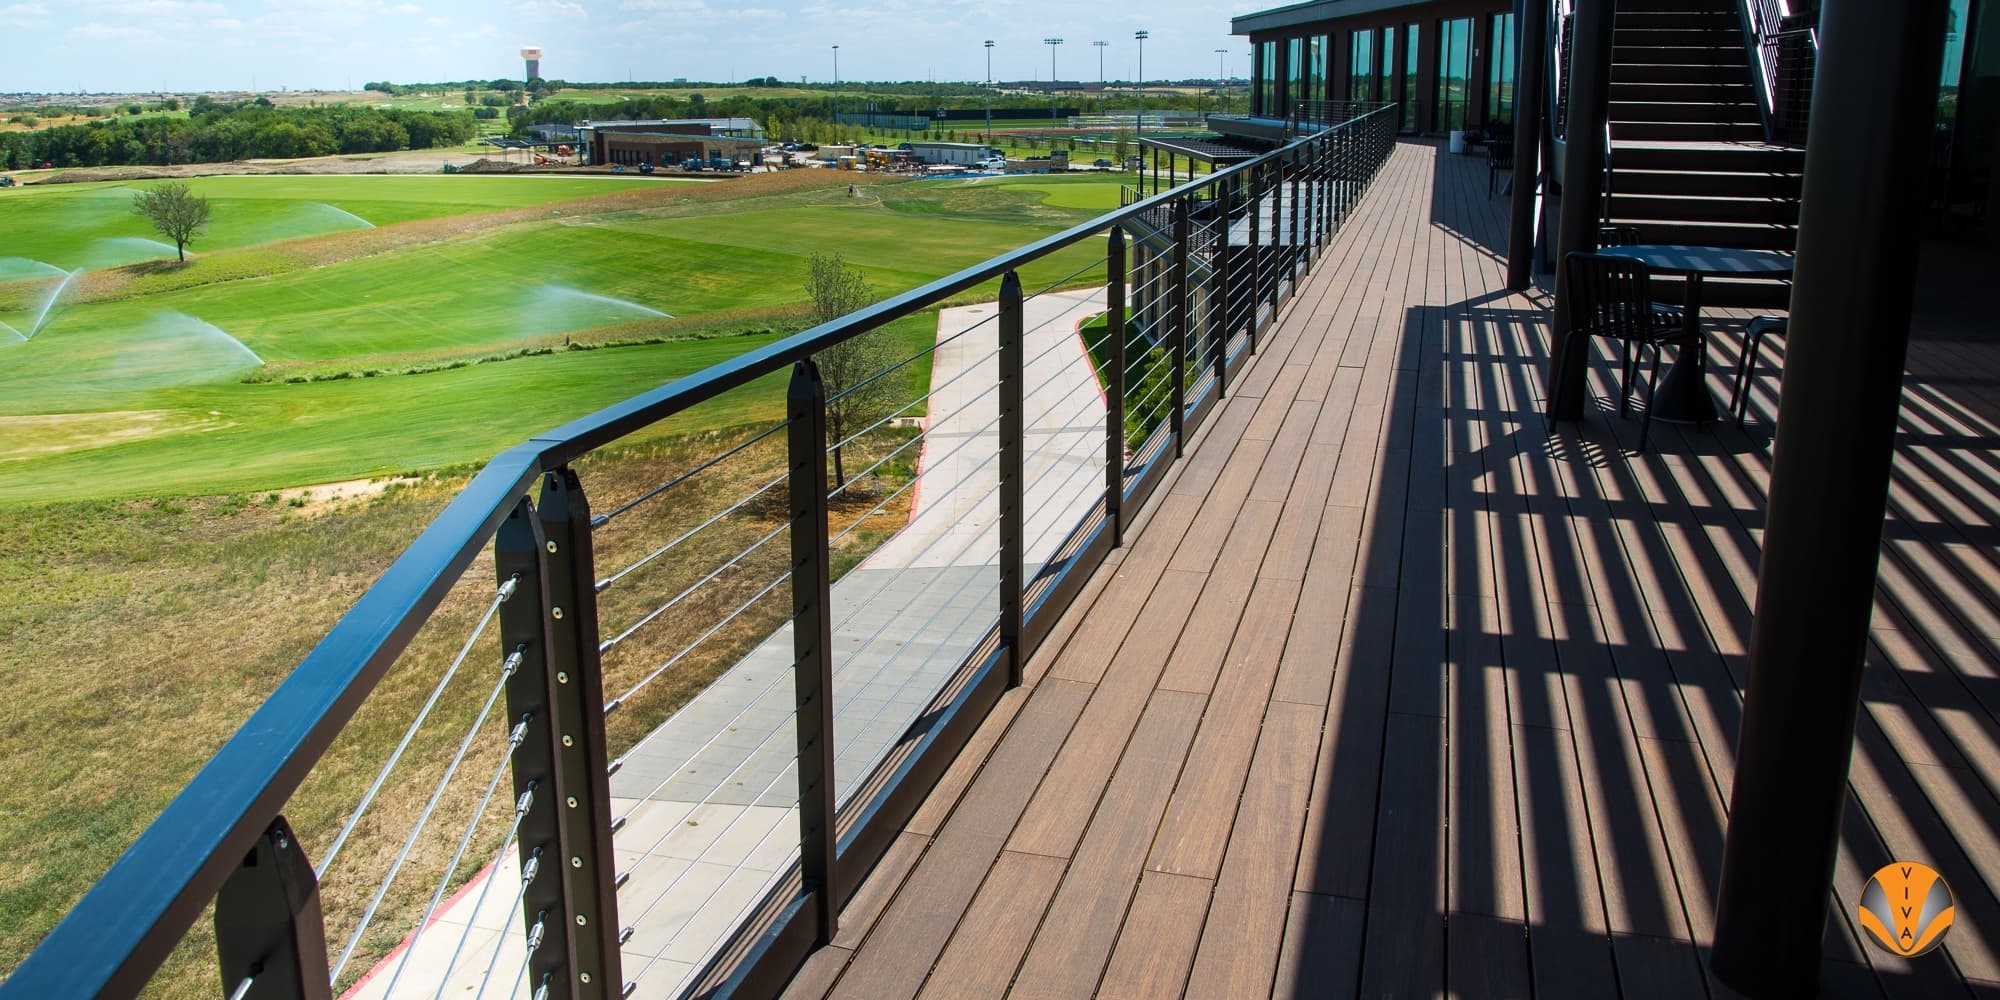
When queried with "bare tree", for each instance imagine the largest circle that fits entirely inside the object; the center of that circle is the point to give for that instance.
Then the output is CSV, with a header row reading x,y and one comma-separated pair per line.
x,y
855,394
175,210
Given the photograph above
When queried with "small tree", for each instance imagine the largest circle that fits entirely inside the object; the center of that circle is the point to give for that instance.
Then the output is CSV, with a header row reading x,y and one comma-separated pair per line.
x,y
846,368
175,210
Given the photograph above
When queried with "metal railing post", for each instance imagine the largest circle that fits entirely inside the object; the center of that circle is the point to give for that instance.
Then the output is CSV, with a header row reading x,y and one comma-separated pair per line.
x,y
268,930
583,778
1280,253
1224,289
1178,328
812,642
1301,219
1114,385
548,914
1251,216
1013,460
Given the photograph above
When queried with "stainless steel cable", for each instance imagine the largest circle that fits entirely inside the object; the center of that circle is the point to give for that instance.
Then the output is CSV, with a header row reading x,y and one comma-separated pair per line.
x,y
514,738
604,518
507,668
500,596
607,644
605,584
479,900
612,705
528,873
914,480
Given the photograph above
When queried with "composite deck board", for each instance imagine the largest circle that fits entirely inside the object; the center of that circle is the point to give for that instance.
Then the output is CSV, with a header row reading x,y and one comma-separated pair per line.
x,y
1396,689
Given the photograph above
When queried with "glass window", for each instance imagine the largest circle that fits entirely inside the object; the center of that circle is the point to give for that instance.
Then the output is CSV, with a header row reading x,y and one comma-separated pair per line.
x,y
1454,72
1295,74
1267,77
1500,71
1317,74
1385,89
1361,70
1411,38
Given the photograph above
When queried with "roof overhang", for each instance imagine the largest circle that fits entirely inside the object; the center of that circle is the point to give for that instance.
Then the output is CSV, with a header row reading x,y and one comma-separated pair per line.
x,y
1311,12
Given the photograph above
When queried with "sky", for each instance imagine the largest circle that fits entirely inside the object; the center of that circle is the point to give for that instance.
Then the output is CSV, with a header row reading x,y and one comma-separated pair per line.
x,y
214,45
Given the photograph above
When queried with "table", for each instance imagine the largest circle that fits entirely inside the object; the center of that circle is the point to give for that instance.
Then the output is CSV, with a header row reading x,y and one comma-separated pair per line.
x,y
1683,396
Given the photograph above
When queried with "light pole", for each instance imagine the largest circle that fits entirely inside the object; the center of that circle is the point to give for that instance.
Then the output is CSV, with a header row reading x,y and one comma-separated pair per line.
x,y
836,86
989,91
1139,123
1100,76
1052,43
1220,107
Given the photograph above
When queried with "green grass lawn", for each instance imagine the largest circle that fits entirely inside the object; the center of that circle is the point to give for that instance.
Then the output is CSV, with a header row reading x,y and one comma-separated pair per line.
x,y
92,225
173,359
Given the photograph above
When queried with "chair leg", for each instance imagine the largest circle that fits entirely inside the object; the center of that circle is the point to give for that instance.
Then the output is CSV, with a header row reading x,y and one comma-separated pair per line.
x,y
1739,401
1652,399
1625,369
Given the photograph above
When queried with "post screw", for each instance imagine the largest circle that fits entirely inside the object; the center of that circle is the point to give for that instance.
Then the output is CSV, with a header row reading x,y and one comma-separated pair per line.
x,y
567,741
584,976
575,862
581,920
557,613
562,677
571,801
552,545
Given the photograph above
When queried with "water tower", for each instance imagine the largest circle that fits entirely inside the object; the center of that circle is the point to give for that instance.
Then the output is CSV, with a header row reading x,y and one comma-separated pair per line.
x,y
533,54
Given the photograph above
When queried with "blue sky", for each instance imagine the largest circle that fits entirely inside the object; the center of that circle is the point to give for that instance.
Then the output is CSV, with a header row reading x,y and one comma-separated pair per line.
x,y
189,45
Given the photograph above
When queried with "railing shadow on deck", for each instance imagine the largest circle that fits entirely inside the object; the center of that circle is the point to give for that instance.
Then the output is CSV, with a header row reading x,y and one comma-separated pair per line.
x,y
1544,652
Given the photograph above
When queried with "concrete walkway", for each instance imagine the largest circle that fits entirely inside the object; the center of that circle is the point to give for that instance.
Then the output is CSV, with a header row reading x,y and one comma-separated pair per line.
x,y
709,798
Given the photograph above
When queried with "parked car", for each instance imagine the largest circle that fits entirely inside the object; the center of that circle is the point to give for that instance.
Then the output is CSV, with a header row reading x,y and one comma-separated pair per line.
x,y
1102,162
6,182
691,164
993,163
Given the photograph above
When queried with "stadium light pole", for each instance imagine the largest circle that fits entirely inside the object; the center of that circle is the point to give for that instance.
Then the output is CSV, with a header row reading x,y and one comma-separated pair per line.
x,y
1220,107
1100,76
836,85
989,91
1052,43
1139,123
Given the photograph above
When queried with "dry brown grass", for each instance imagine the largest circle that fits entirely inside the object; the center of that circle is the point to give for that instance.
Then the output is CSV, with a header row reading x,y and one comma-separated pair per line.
x,y
186,614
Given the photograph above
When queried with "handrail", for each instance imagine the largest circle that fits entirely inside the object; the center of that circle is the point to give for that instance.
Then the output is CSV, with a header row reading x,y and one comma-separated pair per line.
x,y
126,924
1767,26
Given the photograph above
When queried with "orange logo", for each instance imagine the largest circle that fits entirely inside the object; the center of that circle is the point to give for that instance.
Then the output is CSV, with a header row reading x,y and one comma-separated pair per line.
x,y
1906,908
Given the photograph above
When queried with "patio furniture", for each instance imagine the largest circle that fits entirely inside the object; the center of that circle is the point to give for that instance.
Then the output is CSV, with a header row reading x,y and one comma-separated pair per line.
x,y
1499,156
1684,397
1617,236
1754,334
1613,297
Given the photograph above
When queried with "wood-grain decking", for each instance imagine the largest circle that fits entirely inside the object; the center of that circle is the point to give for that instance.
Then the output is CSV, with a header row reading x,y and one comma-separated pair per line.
x,y
1394,692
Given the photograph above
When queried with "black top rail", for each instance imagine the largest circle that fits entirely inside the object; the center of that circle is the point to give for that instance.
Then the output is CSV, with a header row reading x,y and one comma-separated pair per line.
x,y
125,926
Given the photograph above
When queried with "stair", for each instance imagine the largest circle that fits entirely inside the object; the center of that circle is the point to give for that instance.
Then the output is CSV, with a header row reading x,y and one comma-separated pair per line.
x,y
1690,163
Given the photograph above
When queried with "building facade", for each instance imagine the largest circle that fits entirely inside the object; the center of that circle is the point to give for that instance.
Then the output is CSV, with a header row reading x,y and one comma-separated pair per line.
x,y
1449,63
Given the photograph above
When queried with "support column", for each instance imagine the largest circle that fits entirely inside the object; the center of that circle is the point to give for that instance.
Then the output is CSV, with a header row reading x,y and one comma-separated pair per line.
x,y
1530,107
1852,291
1583,185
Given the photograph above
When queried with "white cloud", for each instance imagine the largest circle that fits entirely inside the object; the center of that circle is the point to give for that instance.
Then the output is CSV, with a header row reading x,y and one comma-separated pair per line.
x,y
437,22
549,10
98,32
25,15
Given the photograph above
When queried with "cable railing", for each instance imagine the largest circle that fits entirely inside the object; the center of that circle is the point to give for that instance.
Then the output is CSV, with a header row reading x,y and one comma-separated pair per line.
x,y
651,751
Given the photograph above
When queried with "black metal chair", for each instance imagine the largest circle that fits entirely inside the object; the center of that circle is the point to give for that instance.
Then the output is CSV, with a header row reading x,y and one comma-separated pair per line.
x,y
1617,236
1499,156
1613,297
1753,337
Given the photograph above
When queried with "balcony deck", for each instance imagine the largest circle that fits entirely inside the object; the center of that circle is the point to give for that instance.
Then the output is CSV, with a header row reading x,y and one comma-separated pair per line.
x,y
1393,692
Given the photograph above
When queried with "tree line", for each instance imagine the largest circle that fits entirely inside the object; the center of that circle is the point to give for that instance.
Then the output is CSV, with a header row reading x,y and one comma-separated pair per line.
x,y
217,132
